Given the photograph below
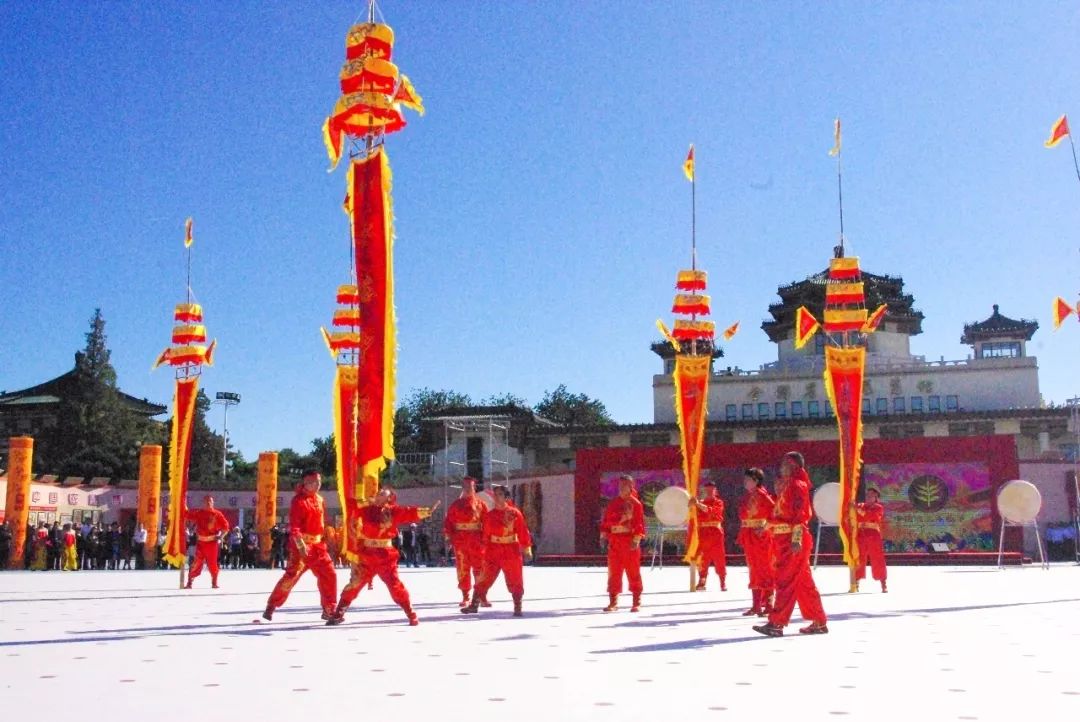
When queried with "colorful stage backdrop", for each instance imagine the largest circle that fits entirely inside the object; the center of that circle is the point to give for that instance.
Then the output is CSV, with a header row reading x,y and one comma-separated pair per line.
x,y
934,489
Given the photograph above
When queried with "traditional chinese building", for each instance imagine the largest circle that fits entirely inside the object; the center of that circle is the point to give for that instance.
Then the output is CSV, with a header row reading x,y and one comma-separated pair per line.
x,y
29,411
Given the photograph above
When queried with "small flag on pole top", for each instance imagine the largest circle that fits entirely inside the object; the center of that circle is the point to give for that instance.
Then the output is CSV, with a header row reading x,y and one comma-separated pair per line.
x,y
1058,132
188,238
688,166
835,150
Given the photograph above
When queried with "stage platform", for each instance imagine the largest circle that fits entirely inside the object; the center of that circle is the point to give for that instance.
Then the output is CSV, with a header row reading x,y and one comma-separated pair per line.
x,y
947,643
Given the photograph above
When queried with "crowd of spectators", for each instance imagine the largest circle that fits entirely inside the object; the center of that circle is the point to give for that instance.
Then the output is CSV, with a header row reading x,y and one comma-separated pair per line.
x,y
112,547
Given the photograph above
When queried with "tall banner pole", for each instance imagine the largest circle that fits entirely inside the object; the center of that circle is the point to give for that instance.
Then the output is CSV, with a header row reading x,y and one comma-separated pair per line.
x,y
17,506
149,513
374,94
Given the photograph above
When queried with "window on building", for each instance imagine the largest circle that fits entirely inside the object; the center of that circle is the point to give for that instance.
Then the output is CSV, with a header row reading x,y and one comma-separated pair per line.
x,y
1000,349
731,412
867,409
952,403
748,411
827,408
899,405
935,404
796,409
916,404
763,410
781,409
882,406
813,408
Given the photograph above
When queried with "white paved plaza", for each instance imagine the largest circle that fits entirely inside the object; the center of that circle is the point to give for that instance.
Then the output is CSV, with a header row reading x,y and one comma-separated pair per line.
x,y
945,644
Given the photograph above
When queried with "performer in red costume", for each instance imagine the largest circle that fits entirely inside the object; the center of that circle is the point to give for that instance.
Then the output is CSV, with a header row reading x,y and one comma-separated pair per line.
x,y
711,551
791,564
870,516
623,528
377,525
463,529
307,549
210,524
754,510
506,538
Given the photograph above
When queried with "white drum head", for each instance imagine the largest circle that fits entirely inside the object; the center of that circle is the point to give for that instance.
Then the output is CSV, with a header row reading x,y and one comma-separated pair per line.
x,y
487,498
827,503
672,506
1019,502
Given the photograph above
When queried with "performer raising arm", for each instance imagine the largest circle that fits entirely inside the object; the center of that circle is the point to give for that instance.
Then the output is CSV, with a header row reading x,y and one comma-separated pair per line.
x,y
623,527
377,525
711,540
307,549
506,538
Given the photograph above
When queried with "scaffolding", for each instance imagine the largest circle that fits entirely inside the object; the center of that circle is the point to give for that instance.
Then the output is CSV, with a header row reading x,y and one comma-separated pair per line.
x,y
493,464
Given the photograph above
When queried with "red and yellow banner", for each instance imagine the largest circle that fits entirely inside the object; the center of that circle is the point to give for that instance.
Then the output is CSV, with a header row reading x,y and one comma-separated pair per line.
x,y
17,503
373,234
805,326
691,405
844,370
149,513
346,442
1058,132
266,486
1062,309
175,549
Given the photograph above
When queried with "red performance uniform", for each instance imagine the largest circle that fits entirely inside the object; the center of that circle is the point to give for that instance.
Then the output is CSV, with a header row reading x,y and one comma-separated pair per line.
x,y
308,551
871,523
623,525
376,555
208,523
755,507
464,528
505,538
788,526
711,541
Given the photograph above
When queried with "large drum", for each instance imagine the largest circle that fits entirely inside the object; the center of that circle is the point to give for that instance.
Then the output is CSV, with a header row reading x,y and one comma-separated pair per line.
x,y
827,504
1019,502
672,506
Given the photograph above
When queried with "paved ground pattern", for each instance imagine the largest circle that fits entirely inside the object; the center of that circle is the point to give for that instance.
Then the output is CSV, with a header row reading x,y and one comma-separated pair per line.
x,y
944,644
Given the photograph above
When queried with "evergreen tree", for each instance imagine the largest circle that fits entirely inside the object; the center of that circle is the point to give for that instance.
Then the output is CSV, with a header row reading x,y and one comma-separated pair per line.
x,y
95,434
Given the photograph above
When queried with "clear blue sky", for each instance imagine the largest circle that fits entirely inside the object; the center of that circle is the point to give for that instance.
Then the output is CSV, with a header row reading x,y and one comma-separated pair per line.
x,y
541,211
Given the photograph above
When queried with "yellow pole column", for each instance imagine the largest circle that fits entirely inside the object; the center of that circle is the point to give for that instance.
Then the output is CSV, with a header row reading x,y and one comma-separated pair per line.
x,y
17,506
266,487
150,499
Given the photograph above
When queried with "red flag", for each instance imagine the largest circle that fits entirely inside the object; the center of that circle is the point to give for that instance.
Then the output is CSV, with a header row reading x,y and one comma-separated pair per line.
x,y
805,326
1058,132
1062,309
688,165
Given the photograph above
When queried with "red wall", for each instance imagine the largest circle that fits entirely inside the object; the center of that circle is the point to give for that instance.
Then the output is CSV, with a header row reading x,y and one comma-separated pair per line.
x,y
998,452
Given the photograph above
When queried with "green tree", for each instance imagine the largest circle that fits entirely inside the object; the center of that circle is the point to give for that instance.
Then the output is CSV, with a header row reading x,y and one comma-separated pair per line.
x,y
95,433
569,409
505,399
418,405
324,455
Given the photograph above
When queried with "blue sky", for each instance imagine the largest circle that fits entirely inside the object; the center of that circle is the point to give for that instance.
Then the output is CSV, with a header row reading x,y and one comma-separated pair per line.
x,y
541,211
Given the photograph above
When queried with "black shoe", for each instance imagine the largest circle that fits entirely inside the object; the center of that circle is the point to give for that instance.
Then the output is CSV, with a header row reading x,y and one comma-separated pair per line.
x,y
333,620
268,615
815,628
769,630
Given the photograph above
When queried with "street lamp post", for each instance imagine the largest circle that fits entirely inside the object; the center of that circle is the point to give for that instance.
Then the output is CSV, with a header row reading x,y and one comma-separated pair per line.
x,y
226,399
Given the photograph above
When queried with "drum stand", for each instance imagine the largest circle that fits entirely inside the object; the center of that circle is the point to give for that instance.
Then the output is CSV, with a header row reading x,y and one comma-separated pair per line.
x,y
658,547
817,538
1038,541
